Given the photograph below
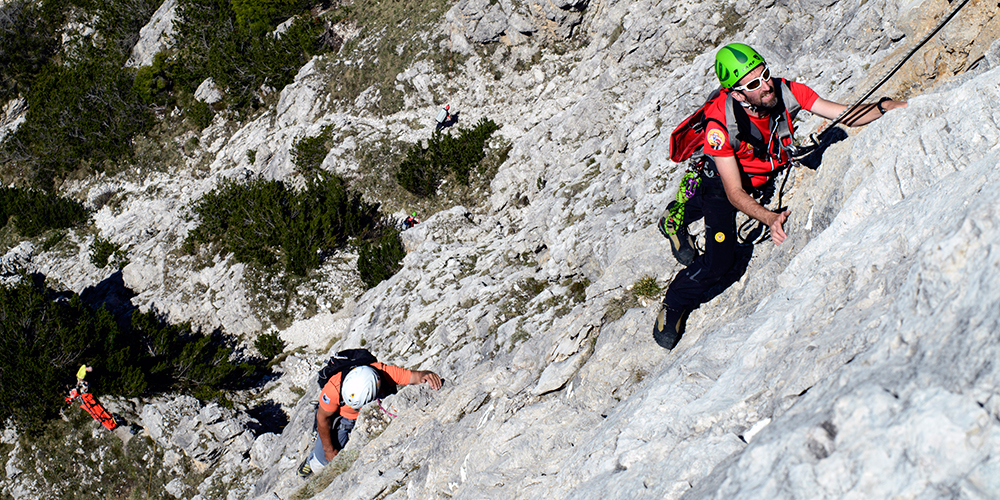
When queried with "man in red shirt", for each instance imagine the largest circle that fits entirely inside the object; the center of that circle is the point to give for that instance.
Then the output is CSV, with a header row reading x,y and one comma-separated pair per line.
x,y
758,110
341,399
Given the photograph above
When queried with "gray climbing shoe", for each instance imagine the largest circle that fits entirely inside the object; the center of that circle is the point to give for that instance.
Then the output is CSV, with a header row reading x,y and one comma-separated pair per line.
x,y
680,241
669,326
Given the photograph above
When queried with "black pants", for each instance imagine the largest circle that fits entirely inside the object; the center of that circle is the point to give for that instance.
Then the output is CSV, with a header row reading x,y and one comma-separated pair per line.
x,y
691,283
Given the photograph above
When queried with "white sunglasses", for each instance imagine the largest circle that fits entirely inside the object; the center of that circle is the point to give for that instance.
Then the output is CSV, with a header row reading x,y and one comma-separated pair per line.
x,y
756,82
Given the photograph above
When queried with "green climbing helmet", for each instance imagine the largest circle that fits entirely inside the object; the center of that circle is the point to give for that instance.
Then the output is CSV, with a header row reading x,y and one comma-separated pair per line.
x,y
734,61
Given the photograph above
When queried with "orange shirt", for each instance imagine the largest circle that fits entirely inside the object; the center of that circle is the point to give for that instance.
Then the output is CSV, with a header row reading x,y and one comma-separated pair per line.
x,y
329,397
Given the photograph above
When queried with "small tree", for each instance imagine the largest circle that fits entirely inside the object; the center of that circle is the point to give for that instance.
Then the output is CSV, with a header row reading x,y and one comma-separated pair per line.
x,y
269,345
381,257
423,168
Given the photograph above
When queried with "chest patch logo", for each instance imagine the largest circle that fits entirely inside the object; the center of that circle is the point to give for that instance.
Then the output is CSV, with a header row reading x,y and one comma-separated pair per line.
x,y
720,237
714,137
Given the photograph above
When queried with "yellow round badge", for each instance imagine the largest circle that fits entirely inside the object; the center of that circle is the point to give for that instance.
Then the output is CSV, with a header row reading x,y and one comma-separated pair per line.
x,y
720,237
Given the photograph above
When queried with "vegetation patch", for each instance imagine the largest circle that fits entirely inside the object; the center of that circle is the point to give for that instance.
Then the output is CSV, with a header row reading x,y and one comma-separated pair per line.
x,y
269,345
33,212
577,290
618,306
522,293
231,43
389,42
423,169
101,466
308,153
647,287
85,108
48,335
339,465
381,257
82,108
266,222
104,252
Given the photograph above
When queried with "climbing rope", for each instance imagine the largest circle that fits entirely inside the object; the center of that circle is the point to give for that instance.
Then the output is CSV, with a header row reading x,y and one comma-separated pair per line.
x,y
387,412
686,189
853,112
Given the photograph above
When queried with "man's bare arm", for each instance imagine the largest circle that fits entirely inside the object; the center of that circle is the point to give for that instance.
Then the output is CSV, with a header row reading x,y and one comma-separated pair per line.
x,y
420,376
729,171
869,112
323,421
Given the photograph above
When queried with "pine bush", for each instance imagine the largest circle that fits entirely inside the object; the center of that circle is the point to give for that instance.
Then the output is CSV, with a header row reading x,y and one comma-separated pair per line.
x,y
46,336
308,153
265,222
234,49
269,345
423,169
380,258
34,212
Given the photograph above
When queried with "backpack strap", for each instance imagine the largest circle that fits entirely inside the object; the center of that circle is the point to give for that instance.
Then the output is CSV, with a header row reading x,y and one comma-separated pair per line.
x,y
784,129
741,130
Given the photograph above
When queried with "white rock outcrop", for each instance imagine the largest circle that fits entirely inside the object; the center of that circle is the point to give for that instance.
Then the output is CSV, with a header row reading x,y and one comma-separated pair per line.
x,y
155,36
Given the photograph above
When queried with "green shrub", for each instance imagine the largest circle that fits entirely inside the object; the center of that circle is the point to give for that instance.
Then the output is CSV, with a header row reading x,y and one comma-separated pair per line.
x,y
34,212
264,222
82,108
260,15
417,174
269,345
102,251
27,43
199,114
46,336
381,257
423,168
153,83
308,153
241,59
646,287
384,48
577,291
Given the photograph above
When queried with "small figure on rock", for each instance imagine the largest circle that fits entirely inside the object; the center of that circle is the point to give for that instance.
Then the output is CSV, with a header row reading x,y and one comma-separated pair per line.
x,y
411,221
738,142
445,117
352,379
81,384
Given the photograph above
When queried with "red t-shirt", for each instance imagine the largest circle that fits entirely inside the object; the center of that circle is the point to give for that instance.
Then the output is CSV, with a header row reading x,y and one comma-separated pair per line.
x,y
329,397
717,138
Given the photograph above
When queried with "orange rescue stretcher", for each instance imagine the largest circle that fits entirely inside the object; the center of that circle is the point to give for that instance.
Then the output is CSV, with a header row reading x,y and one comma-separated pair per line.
x,y
93,408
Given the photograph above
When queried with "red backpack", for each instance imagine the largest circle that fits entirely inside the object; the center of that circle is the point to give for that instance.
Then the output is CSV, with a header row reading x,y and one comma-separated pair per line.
x,y
689,137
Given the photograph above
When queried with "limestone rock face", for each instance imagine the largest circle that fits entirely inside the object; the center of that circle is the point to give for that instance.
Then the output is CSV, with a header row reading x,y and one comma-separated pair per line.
x,y
208,92
12,116
155,35
483,21
204,433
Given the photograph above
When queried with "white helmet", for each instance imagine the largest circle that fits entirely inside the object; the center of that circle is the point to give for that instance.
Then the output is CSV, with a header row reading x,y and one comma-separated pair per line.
x,y
360,386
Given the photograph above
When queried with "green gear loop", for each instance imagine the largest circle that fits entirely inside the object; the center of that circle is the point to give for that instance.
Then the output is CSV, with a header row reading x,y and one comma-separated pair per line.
x,y
686,189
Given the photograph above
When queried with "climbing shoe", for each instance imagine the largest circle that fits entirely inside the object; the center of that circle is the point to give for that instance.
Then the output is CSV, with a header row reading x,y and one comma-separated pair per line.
x,y
669,326
305,470
680,241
